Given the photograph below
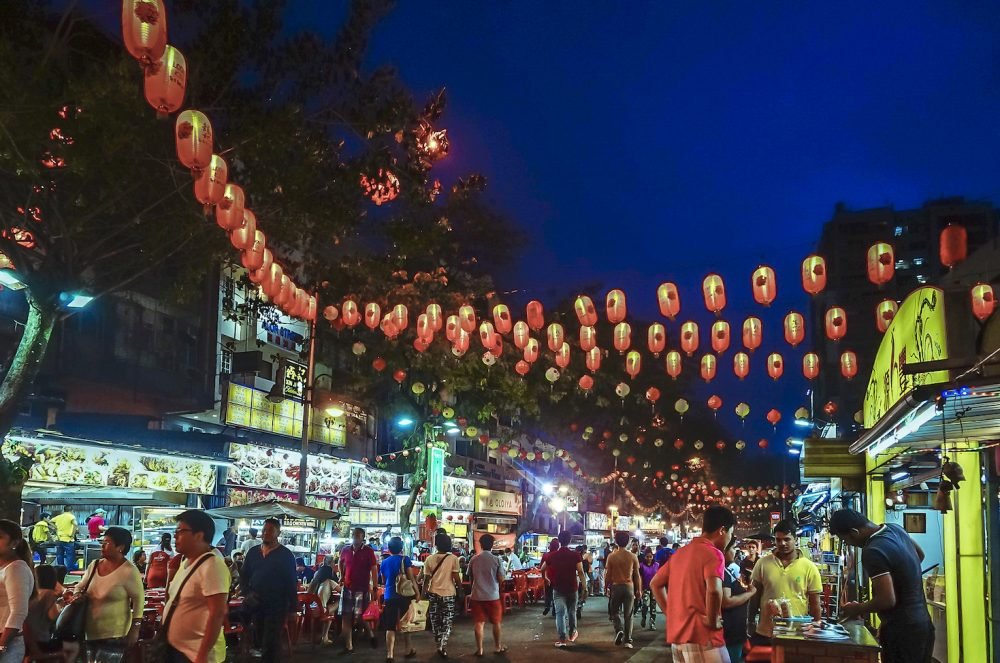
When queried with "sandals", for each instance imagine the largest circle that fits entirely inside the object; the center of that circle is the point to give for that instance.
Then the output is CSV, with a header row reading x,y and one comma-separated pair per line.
x,y
502,650
410,654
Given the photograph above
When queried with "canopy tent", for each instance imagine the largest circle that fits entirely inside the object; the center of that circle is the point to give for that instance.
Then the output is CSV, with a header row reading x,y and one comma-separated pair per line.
x,y
273,509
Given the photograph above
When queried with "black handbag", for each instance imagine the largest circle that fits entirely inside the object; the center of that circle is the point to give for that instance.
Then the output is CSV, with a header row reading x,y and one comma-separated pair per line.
x,y
72,621
155,649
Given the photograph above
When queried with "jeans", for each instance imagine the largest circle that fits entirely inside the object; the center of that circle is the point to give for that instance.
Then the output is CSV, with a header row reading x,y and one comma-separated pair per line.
x,y
66,554
14,653
565,614
621,604
735,653
270,626
648,607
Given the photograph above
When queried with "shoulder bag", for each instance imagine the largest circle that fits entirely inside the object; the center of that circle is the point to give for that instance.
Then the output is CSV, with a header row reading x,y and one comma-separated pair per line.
x,y
155,650
72,621
428,580
405,586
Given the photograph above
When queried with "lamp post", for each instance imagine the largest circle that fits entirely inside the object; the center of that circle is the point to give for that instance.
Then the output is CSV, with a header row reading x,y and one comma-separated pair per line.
x,y
307,405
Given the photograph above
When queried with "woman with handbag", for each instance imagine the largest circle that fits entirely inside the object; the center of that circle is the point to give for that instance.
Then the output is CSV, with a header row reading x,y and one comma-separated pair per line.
x,y
400,590
115,600
440,582
17,587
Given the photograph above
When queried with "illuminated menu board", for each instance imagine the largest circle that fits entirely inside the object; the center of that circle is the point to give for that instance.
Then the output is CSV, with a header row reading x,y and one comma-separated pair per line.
x,y
249,408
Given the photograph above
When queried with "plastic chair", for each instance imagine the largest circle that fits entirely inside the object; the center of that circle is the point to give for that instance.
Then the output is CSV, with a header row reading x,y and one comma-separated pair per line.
x,y
758,654
520,587
239,632
315,613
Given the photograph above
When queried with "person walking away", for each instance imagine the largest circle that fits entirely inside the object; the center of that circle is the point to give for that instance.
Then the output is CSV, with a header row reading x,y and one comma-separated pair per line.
x,y
43,609
647,569
543,568
735,596
566,574
270,587
42,532
227,542
487,574
746,566
250,542
663,551
396,569
891,560
17,588
692,577
440,582
588,560
157,569
624,584
785,574
66,531
95,524
115,597
196,605
324,586
359,574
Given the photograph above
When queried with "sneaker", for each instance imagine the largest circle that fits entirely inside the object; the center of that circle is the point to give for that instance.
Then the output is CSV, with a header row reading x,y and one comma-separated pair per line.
x,y
576,634
560,644
620,637
628,645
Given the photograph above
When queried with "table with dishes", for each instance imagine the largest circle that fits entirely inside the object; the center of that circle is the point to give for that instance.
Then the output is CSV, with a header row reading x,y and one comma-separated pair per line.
x,y
801,640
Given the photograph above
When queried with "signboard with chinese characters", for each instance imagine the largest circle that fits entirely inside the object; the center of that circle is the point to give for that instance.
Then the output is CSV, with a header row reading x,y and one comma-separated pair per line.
x,y
435,476
495,501
249,408
916,334
598,522
295,380
283,332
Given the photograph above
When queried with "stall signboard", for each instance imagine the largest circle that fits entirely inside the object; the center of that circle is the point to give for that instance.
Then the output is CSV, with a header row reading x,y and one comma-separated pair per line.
x,y
459,494
623,523
571,503
284,332
249,408
75,465
495,501
266,468
917,334
243,496
371,488
598,522
435,476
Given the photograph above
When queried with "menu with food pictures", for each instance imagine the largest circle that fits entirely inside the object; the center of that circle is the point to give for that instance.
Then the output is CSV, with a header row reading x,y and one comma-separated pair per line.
x,y
459,494
243,496
373,488
278,469
90,466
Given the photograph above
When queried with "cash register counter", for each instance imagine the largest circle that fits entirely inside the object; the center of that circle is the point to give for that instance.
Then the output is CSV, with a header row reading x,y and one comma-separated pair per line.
x,y
791,646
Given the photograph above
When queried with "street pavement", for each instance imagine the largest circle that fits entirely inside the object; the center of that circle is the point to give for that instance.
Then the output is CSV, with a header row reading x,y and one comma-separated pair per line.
x,y
527,635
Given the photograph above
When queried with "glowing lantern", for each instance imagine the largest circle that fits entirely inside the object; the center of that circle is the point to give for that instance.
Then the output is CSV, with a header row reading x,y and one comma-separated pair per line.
x,y
530,352
720,445
349,313
765,286
144,29
588,338
885,311
689,337
656,338
502,319
652,394
773,417
623,390
594,360
535,315
331,313
709,366
742,410
714,291
552,374
229,210
673,364
210,186
802,414
954,245
373,316
585,311
467,318
616,306
983,301
848,364
741,364
753,333
522,367
242,238
720,336
881,263
497,348
681,406
487,334
521,334
775,365
623,336
462,341
193,132
391,331
633,363
814,274
669,299
562,357
795,328
836,323
164,81
253,257
556,336
678,444
399,376
451,328
810,365
425,331
435,317
586,382
762,443
714,403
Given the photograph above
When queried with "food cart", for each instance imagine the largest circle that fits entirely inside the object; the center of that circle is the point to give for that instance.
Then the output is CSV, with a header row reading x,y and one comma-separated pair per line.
x,y
304,528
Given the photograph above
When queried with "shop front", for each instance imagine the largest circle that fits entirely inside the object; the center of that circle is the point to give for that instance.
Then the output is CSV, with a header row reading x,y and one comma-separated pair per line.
x,y
597,528
496,513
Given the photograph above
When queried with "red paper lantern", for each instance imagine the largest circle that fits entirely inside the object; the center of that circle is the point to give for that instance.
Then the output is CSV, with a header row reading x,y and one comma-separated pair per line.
x,y
487,335
713,289
144,29
399,376
586,382
762,443
633,364
210,186
773,417
616,306
467,318
462,341
391,331
830,408
373,316
810,365
562,357
885,311
435,316
521,334
452,327
678,444
594,360
765,286
714,403
588,338
741,364
669,299
709,366
229,210
243,237
349,313
881,263
530,352
497,348
775,365
378,364
253,257
720,445
400,316
424,329
673,364
795,328
720,336
522,367
535,315
848,364
556,336
656,338
836,323
164,82
753,333
652,394
502,319
814,274
984,301
689,337
630,460
193,133
585,311
331,313
954,245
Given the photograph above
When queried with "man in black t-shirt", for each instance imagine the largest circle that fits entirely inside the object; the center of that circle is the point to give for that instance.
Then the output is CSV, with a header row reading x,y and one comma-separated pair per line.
x,y
891,560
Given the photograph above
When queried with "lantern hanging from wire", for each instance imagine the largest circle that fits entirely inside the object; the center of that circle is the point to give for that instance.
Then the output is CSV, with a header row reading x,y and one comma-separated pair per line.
x,y
229,210
348,311
400,316
623,337
814,274
501,318
487,334
616,307
714,403
451,327
810,365
795,328
836,323
522,367
531,350
742,410
585,311
462,341
164,82
775,365
954,245
563,356
435,316
753,333
242,238
373,315
652,395
144,29
741,364
535,314
467,318
885,311
681,406
633,363
848,364
594,360
881,263
984,301
765,286
720,336
689,337
656,338
497,348
391,331
556,335
673,364
210,186
521,334
709,367
586,382
669,299
425,331
253,257
193,133
588,338
713,289
773,417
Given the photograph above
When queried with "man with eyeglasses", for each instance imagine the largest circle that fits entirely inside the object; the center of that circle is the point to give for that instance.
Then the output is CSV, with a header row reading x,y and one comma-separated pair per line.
x,y
270,588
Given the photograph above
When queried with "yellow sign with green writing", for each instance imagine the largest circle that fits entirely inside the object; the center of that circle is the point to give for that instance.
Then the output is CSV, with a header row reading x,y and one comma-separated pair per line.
x,y
916,335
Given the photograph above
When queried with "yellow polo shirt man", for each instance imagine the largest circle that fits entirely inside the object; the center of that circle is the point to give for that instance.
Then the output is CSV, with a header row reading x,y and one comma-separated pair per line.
x,y
794,582
66,527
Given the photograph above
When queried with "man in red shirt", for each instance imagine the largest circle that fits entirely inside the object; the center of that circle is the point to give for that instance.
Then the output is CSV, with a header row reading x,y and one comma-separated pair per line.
x,y
688,589
566,575
359,573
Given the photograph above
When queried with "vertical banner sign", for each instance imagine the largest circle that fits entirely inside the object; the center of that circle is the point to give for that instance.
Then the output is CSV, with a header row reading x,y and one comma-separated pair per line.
x,y
435,477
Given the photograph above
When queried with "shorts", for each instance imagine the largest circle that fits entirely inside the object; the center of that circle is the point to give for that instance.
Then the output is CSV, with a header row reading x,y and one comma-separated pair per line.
x,y
691,653
353,603
487,611
392,612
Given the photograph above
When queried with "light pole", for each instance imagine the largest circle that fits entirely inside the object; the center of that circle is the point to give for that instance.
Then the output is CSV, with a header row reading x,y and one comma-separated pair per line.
x,y
307,404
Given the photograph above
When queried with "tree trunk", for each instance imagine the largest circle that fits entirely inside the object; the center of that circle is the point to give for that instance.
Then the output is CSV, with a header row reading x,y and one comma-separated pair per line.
x,y
406,510
10,501
27,361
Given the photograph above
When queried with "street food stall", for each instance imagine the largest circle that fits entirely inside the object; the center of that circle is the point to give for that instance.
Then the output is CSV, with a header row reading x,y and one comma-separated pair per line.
x,y
303,527
497,513
800,640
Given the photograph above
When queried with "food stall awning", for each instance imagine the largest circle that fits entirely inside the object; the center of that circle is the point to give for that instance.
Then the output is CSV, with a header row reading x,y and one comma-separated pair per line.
x,y
273,509
935,413
46,495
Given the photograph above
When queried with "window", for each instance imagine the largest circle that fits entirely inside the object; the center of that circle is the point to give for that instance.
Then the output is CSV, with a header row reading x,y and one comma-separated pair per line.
x,y
899,231
917,262
915,523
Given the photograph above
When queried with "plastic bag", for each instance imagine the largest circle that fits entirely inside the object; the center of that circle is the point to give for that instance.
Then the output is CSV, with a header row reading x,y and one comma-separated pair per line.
x,y
415,618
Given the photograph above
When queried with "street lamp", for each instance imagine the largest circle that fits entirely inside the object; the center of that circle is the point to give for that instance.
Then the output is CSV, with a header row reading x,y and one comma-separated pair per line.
x,y
9,278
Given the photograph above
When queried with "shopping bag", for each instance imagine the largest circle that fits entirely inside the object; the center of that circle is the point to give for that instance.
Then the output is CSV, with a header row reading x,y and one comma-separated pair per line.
x,y
372,612
415,618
